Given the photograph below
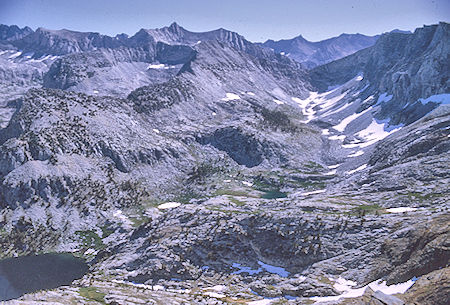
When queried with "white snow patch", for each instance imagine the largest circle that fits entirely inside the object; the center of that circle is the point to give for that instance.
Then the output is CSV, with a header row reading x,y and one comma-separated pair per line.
x,y
143,286
17,54
157,66
44,58
302,103
231,97
439,98
168,205
332,101
325,101
214,294
375,132
325,132
301,278
307,105
90,251
247,183
357,169
312,193
392,289
118,214
335,137
356,154
278,102
343,124
359,78
348,292
342,284
95,91
401,210
368,99
156,130
218,287
330,173
282,53
250,93
214,113
334,166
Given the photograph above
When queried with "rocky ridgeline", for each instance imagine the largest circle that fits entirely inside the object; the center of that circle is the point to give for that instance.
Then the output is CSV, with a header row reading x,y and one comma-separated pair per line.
x,y
313,54
202,168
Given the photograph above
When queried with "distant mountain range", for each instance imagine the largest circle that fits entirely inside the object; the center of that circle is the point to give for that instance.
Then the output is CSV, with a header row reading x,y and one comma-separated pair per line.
x,y
61,42
312,54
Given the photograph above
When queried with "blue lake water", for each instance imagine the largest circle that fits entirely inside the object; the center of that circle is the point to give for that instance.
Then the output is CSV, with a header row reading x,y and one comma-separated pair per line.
x,y
21,275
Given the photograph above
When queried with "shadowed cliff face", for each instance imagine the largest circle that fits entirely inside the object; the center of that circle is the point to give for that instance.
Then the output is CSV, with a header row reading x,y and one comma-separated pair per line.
x,y
243,149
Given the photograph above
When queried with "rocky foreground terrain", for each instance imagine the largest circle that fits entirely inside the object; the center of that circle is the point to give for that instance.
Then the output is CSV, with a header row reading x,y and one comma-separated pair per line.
x,y
201,168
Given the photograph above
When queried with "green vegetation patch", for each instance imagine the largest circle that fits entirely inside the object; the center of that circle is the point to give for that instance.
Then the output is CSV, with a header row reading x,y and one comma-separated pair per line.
x,y
138,221
367,209
92,294
229,192
90,239
204,170
237,201
106,231
278,120
271,190
423,197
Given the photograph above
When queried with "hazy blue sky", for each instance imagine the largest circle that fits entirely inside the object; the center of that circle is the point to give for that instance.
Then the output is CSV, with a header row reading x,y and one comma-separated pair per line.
x,y
257,20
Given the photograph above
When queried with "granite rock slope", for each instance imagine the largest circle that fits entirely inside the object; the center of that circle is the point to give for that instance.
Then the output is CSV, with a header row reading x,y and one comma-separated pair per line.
x,y
65,147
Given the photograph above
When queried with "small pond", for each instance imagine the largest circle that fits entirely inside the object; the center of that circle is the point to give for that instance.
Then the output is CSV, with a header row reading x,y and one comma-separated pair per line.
x,y
21,275
273,194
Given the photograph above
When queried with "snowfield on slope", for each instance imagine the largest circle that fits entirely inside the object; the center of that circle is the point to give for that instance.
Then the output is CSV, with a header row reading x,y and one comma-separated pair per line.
x,y
345,286
231,97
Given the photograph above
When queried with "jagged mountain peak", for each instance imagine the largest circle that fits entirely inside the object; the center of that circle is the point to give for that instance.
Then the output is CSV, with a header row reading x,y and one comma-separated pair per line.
x,y
13,32
300,38
176,34
60,42
175,27
66,33
400,31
